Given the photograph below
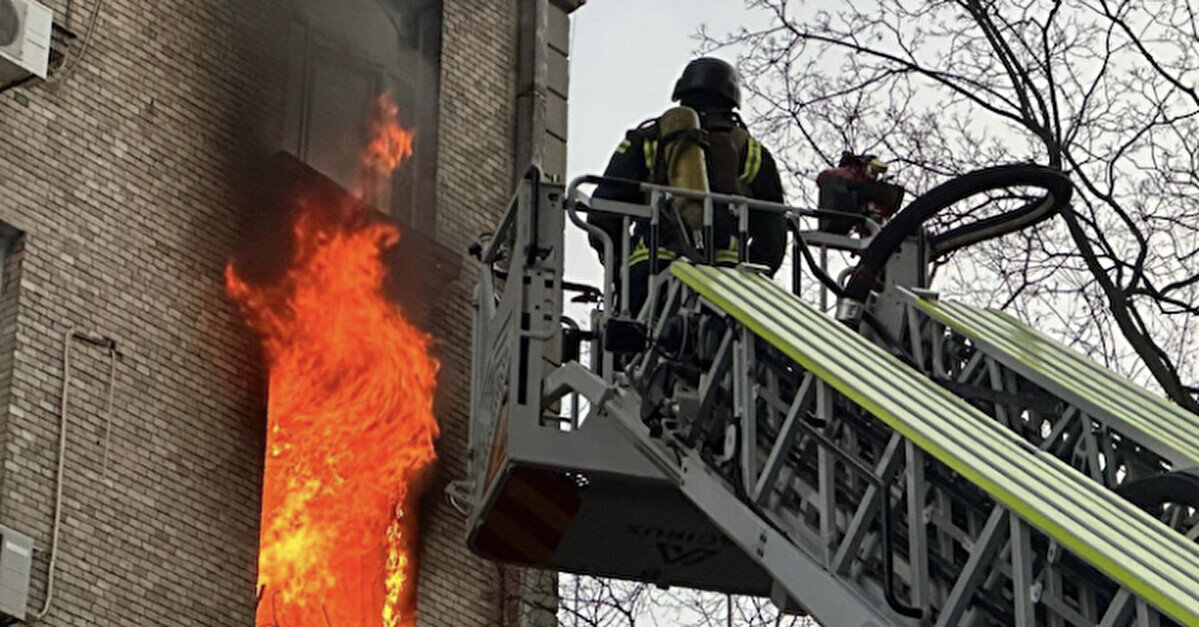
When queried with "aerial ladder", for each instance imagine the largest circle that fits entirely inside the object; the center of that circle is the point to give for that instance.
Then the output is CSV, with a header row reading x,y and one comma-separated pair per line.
x,y
906,460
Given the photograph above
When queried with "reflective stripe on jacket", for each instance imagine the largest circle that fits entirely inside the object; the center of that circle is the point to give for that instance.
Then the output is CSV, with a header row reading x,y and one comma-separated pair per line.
x,y
753,158
641,253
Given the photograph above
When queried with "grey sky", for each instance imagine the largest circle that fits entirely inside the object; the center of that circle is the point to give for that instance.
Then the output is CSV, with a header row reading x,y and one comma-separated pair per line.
x,y
626,56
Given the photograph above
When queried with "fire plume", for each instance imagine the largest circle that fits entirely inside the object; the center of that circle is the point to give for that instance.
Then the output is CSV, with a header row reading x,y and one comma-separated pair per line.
x,y
390,143
350,417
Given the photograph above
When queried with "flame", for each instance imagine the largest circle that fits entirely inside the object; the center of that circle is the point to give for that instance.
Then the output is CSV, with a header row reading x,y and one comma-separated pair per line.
x,y
350,417
390,144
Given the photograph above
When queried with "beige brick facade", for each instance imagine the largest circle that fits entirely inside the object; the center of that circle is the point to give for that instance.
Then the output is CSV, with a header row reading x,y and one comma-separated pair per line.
x,y
124,181
118,179
475,174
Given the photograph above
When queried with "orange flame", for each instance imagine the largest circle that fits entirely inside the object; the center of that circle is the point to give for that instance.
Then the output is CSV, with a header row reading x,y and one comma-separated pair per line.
x,y
350,419
390,144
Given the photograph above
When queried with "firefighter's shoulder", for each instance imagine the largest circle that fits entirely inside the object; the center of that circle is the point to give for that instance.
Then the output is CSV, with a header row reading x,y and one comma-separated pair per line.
x,y
636,136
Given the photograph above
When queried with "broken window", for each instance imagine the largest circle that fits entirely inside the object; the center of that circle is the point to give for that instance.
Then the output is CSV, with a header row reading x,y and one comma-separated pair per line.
x,y
340,57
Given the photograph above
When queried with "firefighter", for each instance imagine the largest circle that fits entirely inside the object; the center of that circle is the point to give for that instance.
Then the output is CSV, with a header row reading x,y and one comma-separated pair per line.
x,y
702,145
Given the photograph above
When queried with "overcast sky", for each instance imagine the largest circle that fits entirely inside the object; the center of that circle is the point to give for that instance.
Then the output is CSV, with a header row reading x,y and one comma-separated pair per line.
x,y
625,57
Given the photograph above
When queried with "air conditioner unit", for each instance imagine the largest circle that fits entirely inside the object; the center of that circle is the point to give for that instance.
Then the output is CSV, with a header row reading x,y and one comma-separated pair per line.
x,y
25,27
16,561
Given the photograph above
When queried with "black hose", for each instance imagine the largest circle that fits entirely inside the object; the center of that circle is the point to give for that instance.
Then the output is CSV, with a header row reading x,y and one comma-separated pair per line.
x,y
883,485
1180,486
908,222
900,607
892,343
822,276
827,281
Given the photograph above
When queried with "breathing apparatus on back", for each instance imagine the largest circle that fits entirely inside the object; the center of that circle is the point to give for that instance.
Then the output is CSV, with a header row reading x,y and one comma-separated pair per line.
x,y
700,142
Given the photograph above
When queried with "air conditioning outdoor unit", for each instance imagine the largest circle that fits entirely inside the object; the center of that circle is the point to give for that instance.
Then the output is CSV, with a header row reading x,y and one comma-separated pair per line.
x,y
25,27
16,561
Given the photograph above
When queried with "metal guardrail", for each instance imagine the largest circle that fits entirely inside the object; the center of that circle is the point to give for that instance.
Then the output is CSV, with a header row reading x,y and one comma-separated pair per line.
x,y
521,232
661,197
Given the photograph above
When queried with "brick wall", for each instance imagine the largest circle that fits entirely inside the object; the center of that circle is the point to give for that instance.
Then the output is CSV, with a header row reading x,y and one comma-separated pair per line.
x,y
123,182
474,183
118,179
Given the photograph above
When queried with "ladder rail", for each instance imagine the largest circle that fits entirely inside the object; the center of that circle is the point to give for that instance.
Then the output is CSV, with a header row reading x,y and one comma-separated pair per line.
x,y
1104,515
1169,431
803,485
840,601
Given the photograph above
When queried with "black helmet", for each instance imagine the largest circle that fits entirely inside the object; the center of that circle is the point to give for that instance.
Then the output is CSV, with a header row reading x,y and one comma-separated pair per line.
x,y
710,76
